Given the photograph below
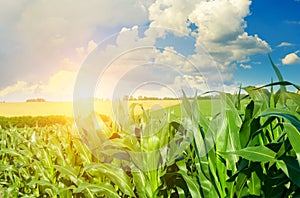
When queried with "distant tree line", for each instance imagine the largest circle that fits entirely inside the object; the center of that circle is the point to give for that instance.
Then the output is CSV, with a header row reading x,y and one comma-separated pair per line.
x,y
208,97
36,100
148,98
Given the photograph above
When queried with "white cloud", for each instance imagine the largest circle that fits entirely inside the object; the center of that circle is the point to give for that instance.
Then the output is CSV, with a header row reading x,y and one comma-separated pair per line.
x,y
234,88
170,57
220,20
59,88
194,81
291,59
13,88
221,28
245,66
245,46
285,44
171,14
257,63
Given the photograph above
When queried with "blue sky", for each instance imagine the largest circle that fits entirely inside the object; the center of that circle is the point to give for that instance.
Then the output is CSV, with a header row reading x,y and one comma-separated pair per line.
x,y
44,44
276,22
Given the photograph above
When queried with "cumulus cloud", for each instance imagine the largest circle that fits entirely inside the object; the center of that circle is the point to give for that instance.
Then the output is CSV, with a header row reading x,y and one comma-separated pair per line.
x,y
222,30
285,44
171,14
220,20
291,59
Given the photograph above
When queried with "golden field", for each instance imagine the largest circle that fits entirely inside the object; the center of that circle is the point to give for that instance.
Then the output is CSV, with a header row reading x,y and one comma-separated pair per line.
x,y
10,109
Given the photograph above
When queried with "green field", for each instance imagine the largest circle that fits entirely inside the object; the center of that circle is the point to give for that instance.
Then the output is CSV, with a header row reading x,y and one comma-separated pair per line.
x,y
234,147
15,109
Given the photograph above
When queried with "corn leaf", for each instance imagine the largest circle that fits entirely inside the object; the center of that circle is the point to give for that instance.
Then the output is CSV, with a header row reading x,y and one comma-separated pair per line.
x,y
256,154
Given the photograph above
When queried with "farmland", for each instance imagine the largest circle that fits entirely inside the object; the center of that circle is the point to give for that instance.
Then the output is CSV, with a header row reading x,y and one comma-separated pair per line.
x,y
10,109
233,147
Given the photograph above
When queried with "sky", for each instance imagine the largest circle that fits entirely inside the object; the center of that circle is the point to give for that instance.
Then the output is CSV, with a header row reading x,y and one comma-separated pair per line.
x,y
60,49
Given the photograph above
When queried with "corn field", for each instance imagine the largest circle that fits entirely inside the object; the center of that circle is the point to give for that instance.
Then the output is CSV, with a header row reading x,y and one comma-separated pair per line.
x,y
249,149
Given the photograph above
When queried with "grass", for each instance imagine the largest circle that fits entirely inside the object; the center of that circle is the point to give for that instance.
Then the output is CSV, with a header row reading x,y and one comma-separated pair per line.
x,y
249,148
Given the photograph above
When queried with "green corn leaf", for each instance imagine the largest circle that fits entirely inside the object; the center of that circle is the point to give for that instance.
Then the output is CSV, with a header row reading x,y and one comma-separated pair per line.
x,y
90,189
280,78
281,83
261,98
241,181
291,168
256,154
69,172
289,115
115,174
254,184
233,125
229,138
191,183
190,109
245,128
278,74
295,97
204,184
10,151
45,183
141,183
294,137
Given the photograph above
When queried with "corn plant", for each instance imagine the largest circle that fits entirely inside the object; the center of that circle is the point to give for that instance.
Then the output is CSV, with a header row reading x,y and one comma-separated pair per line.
x,y
251,151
